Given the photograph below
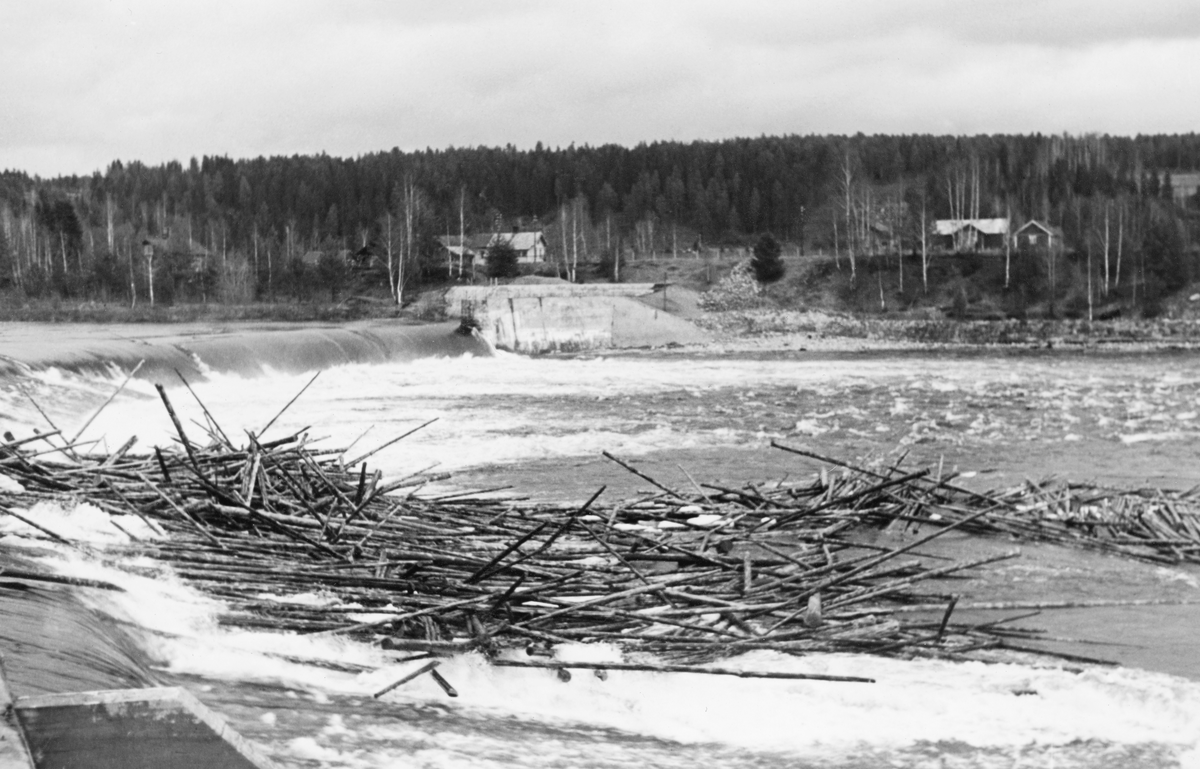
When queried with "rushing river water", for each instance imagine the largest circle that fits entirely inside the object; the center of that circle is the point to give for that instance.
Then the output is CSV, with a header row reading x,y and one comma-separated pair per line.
x,y
540,424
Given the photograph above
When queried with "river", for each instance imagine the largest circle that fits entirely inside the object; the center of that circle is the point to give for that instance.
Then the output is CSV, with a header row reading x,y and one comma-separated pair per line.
x,y
539,425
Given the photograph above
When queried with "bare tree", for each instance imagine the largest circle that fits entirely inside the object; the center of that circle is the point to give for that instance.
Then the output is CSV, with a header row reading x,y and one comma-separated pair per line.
x,y
1089,277
1106,245
412,203
1007,246
108,218
924,248
462,228
1120,240
387,234
574,238
837,260
132,281
644,234
847,180
150,274
562,226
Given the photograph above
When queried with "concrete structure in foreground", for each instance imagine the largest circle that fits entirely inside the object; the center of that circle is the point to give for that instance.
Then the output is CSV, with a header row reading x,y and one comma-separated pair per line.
x,y
533,318
13,754
131,729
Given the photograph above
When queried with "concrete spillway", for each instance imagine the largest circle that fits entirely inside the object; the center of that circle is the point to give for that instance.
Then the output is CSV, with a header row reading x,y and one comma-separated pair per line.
x,y
246,349
131,729
535,318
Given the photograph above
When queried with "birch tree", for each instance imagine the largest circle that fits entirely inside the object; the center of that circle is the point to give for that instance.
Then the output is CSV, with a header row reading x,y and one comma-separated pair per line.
x,y
413,208
1007,248
462,228
847,180
1106,245
387,236
1120,241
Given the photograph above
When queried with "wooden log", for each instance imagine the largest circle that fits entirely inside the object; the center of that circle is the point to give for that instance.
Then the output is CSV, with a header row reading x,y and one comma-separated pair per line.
x,y
442,682
199,526
945,619
426,668
377,449
32,576
653,668
287,405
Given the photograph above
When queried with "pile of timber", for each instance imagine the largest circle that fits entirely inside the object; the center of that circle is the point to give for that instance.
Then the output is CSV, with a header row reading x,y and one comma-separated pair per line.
x,y
690,576
1146,524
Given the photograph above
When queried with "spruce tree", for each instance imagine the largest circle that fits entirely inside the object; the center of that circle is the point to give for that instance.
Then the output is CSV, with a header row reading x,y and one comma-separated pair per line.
x,y
502,261
767,261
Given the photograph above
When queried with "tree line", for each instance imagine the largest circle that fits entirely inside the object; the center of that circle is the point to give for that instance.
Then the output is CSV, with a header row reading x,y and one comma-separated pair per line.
x,y
242,230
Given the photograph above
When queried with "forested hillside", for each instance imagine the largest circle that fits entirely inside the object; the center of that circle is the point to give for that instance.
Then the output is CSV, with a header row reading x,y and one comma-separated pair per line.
x,y
235,230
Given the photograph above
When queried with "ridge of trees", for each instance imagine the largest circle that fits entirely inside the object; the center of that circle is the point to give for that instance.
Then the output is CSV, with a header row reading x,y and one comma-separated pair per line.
x,y
236,230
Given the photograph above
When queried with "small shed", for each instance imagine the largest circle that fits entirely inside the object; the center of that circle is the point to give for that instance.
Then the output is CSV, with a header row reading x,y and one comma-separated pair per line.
x,y
1038,235
1184,185
199,256
971,234
468,248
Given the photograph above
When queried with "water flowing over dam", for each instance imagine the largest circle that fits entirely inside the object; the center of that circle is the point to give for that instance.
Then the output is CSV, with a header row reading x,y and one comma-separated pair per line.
x,y
246,349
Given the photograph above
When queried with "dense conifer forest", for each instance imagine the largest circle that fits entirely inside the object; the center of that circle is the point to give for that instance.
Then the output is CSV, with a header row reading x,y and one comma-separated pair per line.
x,y
283,228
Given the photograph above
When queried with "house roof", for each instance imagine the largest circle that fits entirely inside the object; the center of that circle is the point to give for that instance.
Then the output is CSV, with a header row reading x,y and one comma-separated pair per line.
x,y
1184,181
1191,177
1049,229
472,242
520,241
985,226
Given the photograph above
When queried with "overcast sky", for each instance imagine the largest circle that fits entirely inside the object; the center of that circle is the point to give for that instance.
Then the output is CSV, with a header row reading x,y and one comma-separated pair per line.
x,y
84,82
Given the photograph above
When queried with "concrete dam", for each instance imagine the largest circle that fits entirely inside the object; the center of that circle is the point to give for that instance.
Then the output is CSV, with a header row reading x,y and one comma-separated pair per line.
x,y
534,318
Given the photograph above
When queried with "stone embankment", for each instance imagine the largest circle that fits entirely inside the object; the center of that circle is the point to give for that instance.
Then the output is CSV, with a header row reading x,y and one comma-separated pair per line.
x,y
765,323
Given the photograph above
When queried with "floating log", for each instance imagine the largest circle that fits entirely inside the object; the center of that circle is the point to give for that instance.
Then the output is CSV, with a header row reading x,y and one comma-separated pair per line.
x,y
781,568
428,667
654,668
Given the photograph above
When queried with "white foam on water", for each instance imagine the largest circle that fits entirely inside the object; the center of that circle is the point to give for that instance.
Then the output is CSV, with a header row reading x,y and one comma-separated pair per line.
x,y
77,522
488,410
508,408
911,703
503,409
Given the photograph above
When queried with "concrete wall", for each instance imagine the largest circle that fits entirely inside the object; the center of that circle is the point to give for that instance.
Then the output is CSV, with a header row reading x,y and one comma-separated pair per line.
x,y
12,744
532,318
131,729
484,294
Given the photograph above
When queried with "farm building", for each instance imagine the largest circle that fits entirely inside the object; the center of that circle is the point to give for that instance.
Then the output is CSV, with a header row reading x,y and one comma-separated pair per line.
x,y
879,239
529,245
1039,235
463,253
156,247
971,234
1184,185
